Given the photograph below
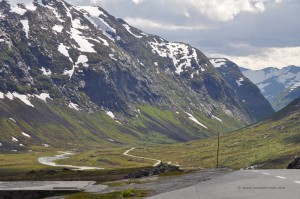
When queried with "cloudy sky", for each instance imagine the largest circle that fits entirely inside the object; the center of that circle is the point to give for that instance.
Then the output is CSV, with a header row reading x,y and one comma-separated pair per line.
x,y
253,33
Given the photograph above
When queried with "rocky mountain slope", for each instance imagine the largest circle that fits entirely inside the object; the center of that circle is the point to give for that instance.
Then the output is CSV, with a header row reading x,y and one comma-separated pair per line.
x,y
61,63
255,102
279,86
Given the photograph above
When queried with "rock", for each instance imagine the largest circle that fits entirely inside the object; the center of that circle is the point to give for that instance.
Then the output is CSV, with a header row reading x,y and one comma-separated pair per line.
x,y
132,194
295,164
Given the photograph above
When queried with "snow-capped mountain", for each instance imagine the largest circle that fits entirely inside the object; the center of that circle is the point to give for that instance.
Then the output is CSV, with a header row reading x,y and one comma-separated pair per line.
x,y
55,55
251,96
279,86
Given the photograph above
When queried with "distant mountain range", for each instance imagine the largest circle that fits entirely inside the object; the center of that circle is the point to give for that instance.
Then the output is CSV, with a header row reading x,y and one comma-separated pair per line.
x,y
251,96
279,86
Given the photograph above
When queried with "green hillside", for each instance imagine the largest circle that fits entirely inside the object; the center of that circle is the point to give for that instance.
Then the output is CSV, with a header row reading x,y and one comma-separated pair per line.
x,y
269,144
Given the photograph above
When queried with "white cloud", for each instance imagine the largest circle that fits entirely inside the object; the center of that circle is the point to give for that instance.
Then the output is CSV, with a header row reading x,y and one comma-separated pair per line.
x,y
219,10
150,24
137,1
275,57
224,10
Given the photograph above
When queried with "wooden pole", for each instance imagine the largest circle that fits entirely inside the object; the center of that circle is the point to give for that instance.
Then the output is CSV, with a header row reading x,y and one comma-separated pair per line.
x,y
218,148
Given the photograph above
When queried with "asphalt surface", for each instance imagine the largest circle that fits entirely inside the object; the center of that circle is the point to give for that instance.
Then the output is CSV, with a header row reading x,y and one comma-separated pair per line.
x,y
88,186
246,184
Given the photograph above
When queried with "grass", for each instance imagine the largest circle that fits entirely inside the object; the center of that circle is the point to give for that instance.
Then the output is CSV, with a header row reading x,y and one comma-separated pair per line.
x,y
23,161
173,173
272,144
61,127
83,195
129,193
108,158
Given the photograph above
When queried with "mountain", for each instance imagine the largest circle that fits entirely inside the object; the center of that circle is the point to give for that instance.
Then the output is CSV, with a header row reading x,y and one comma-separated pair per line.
x,y
279,86
254,101
75,75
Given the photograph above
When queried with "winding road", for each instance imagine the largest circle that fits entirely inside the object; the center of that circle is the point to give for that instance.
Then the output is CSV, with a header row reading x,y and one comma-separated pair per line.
x,y
50,161
126,153
246,184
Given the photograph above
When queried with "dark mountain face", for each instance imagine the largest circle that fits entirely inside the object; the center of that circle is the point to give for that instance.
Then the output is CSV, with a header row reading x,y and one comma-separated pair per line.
x,y
86,59
255,102
83,52
279,86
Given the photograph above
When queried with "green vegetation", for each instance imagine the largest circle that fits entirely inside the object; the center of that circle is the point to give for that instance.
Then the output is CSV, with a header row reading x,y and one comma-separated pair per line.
x,y
62,127
83,195
108,158
129,193
270,144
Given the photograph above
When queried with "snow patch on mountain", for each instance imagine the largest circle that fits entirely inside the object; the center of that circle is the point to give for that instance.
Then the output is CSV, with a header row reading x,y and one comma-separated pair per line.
x,y
285,75
239,81
43,96
14,139
104,42
112,56
110,114
129,30
26,135
82,41
46,72
16,8
23,98
93,14
216,118
56,14
181,54
64,50
26,98
218,62
91,10
25,24
67,10
295,86
73,106
1,95
82,59
12,119
191,117
273,81
58,28
9,95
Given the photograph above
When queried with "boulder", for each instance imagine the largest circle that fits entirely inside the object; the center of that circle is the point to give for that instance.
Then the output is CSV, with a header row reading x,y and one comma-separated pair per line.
x,y
295,164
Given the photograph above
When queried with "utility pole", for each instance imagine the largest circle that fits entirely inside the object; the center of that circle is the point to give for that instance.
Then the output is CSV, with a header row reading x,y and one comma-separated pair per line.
x,y
218,148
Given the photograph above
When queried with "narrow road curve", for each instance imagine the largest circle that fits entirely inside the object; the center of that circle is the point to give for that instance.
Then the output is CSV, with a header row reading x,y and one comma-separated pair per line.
x,y
50,161
126,153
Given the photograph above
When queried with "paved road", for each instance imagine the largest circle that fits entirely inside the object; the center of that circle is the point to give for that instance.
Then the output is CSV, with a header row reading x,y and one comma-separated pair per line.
x,y
88,186
50,161
246,184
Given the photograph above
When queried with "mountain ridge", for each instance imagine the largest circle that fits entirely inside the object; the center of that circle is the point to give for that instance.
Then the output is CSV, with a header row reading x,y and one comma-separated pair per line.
x,y
279,86
86,60
250,94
